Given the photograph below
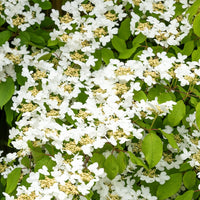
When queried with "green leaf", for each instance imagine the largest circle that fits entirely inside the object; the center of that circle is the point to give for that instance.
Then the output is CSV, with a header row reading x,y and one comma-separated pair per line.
x,y
186,196
69,119
2,21
177,114
107,54
37,156
20,79
36,152
127,53
155,91
139,39
170,138
12,180
111,167
188,48
9,112
26,161
24,182
37,39
152,148
138,96
51,43
163,97
47,23
189,179
45,160
185,167
89,196
196,54
192,10
99,158
6,91
196,25
198,115
45,5
118,43
82,97
124,29
4,35
181,91
170,187
122,161
136,160
24,38
45,57
98,63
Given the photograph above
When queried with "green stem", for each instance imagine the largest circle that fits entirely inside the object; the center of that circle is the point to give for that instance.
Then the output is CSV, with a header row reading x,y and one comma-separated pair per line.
x,y
153,122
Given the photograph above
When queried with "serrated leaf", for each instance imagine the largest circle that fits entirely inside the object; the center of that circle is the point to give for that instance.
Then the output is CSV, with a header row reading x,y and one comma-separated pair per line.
x,y
136,160
189,179
198,115
122,161
99,158
4,35
45,160
152,148
45,57
118,43
124,29
111,167
196,25
107,54
6,91
177,114
170,187
186,196
170,138
12,180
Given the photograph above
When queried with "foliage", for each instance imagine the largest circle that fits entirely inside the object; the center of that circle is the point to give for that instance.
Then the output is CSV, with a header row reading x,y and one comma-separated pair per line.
x,y
102,99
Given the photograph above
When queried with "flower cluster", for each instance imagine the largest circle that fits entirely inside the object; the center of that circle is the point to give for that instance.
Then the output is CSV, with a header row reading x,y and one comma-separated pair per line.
x,y
82,127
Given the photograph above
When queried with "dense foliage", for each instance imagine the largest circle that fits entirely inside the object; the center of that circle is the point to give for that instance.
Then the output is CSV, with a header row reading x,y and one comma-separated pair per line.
x,y
102,98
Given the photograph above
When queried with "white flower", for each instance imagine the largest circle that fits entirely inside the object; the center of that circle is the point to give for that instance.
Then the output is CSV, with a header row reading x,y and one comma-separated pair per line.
x,y
44,170
186,154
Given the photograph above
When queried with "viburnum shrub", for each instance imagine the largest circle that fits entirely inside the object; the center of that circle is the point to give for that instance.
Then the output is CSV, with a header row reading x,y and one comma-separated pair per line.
x,y
103,99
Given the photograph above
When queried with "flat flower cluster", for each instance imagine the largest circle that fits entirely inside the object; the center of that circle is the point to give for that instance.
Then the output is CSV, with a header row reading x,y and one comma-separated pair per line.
x,y
74,116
